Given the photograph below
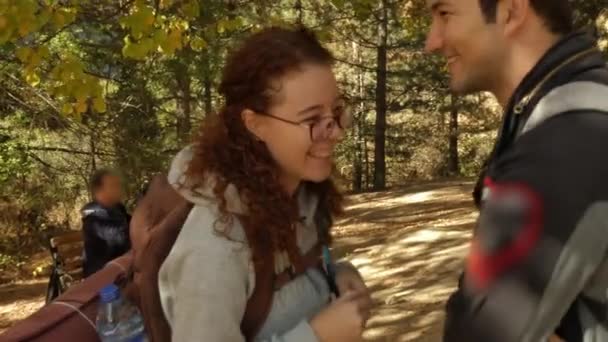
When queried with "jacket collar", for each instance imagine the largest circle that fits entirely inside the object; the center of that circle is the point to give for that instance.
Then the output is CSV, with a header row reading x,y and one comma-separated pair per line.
x,y
567,47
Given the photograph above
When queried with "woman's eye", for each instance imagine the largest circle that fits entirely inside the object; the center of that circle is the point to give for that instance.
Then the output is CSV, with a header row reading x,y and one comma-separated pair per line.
x,y
311,120
444,14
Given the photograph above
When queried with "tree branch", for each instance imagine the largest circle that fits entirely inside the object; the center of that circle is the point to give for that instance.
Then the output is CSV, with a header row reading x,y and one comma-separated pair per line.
x,y
67,150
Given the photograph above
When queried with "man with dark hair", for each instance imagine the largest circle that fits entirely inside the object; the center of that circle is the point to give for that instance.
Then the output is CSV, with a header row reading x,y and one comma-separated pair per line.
x,y
105,222
538,263
556,15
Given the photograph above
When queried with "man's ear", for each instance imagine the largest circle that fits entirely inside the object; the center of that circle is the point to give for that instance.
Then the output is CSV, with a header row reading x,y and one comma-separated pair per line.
x,y
253,123
512,15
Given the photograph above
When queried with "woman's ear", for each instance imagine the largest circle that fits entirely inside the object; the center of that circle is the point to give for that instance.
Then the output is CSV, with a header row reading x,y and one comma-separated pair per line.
x,y
253,123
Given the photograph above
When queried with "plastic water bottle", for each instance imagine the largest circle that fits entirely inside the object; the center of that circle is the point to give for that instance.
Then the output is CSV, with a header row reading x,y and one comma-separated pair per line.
x,y
117,319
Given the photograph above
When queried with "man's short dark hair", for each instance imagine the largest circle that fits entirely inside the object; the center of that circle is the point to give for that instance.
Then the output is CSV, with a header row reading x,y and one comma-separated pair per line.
x,y
97,178
558,14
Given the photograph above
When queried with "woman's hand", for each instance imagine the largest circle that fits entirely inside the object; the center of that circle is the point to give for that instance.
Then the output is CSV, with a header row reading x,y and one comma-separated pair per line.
x,y
348,279
342,321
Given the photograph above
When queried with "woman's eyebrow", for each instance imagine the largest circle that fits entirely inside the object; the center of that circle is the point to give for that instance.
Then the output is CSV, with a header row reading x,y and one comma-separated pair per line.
x,y
310,109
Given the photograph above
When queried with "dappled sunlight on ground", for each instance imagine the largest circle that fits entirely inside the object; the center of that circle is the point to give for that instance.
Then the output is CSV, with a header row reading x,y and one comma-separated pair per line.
x,y
409,245
19,300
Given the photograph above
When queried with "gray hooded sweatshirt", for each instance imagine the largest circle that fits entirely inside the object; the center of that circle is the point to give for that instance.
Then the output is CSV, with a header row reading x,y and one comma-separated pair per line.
x,y
207,278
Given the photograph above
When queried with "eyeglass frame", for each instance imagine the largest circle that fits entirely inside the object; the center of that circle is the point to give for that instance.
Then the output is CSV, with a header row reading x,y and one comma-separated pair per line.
x,y
311,125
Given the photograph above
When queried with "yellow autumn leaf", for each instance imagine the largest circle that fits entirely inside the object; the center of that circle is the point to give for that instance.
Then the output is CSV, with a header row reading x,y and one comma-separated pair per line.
x,y
165,3
74,65
67,108
221,26
69,15
13,10
159,36
190,9
55,72
80,93
97,90
129,50
147,45
185,40
175,39
44,52
6,34
35,60
65,75
81,107
99,105
198,44
147,16
44,17
59,20
32,79
24,28
24,54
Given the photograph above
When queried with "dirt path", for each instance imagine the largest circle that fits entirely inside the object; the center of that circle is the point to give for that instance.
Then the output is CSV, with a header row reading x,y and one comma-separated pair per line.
x,y
408,244
20,300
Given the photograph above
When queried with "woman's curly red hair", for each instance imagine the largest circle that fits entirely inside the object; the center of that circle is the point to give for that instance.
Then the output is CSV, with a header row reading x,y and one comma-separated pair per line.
x,y
228,152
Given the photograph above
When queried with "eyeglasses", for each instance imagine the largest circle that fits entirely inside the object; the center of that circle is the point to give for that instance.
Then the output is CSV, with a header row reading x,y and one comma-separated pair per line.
x,y
321,128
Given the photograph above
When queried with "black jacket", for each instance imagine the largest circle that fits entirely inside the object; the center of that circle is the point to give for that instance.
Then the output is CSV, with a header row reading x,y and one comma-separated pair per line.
x,y
106,235
538,260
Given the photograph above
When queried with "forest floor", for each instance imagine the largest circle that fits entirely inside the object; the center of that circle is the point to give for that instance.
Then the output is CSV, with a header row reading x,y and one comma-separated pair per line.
x,y
408,243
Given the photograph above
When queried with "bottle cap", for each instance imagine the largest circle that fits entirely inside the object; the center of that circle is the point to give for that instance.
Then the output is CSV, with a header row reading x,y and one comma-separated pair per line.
x,y
109,293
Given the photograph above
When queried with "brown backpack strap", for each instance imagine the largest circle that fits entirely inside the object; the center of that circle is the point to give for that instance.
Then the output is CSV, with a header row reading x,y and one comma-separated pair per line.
x,y
259,304
312,259
267,282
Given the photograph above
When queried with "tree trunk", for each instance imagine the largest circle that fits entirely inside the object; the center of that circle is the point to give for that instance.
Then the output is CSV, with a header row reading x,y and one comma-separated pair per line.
x,y
366,154
299,12
93,152
93,164
453,162
207,87
357,161
380,136
184,101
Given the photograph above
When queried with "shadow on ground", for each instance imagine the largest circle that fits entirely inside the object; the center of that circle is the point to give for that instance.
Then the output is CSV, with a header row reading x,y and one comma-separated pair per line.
x,y
409,245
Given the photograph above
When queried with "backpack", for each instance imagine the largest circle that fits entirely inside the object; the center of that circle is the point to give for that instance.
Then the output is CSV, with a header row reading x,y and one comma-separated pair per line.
x,y
155,226
592,303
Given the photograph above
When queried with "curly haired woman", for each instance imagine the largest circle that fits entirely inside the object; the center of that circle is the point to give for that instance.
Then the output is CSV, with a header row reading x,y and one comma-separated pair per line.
x,y
258,175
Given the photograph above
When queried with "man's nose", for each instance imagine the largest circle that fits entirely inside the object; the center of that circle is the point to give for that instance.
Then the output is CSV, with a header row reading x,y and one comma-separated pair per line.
x,y
434,39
